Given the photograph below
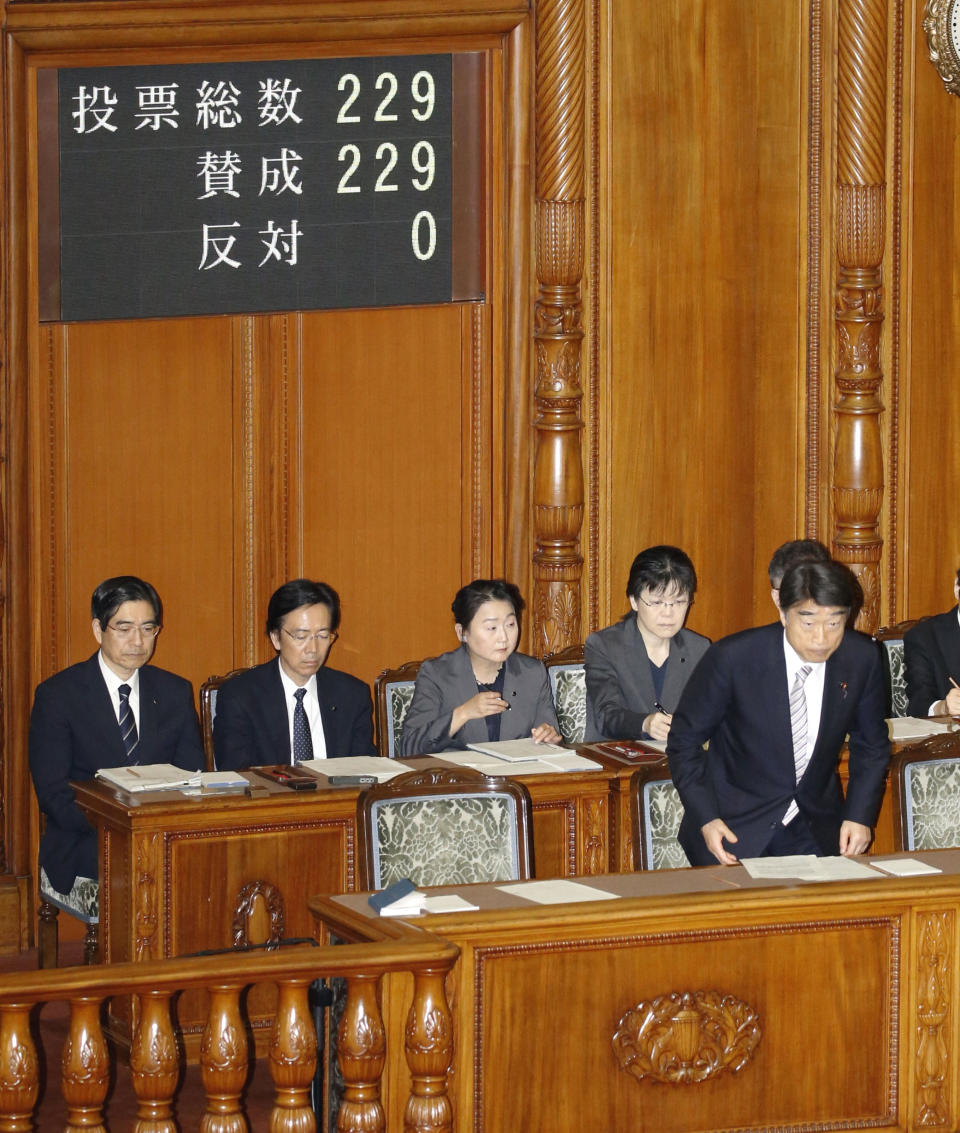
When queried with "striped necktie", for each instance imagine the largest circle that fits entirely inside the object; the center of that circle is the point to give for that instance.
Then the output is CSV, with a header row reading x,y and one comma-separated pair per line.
x,y
128,725
302,740
798,721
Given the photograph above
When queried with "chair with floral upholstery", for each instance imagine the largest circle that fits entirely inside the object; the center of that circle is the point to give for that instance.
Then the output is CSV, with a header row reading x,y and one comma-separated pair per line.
x,y
444,826
568,684
891,638
392,693
82,902
926,794
656,812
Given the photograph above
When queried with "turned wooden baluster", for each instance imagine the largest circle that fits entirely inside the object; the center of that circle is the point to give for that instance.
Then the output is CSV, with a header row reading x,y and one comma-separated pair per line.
x,y
558,334
154,1064
293,1059
861,160
85,1068
223,1062
361,1052
429,1049
19,1080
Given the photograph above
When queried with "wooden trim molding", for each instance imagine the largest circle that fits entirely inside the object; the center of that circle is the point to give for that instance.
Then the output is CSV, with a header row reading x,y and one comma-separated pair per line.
x,y
558,333
860,198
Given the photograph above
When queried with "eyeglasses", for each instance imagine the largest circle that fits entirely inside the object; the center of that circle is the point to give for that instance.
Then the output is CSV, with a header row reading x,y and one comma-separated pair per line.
x,y
302,636
128,629
659,604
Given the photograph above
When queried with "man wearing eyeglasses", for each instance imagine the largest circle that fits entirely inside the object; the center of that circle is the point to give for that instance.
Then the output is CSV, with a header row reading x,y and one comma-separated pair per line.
x,y
111,710
293,708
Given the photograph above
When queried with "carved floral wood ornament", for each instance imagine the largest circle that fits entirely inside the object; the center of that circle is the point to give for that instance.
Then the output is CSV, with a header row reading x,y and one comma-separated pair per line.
x,y
941,22
687,1037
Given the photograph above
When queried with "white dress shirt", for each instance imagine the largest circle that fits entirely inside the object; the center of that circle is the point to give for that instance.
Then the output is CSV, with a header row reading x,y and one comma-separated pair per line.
x,y
113,687
813,694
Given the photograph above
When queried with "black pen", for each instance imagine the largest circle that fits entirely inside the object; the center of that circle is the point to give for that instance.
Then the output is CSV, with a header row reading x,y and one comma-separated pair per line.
x,y
658,707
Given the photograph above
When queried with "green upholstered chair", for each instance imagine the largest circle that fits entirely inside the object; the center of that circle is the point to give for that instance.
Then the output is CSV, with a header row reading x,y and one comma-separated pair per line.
x,y
392,693
568,684
926,793
891,638
444,826
82,902
656,811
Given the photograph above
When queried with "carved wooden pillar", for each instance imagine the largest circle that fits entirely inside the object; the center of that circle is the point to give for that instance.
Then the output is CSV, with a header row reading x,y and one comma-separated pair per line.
x,y
558,469
293,1059
223,1062
85,1069
429,1049
19,1070
861,152
361,1052
154,1065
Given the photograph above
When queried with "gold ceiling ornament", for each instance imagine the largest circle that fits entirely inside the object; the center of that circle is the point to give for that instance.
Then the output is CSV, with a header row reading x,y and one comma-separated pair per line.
x,y
941,22
686,1037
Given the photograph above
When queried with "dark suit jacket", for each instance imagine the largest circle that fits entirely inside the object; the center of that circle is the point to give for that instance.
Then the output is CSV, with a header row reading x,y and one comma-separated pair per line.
x,y
447,681
251,727
931,654
620,692
74,732
738,700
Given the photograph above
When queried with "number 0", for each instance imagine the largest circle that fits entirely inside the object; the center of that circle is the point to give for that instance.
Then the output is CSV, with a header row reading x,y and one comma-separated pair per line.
x,y
421,219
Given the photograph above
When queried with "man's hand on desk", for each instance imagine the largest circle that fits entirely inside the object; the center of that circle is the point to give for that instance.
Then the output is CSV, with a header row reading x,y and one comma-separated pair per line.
x,y
854,838
714,834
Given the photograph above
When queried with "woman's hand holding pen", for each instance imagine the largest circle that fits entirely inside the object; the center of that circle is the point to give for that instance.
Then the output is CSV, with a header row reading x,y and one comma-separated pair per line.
x,y
951,702
483,704
657,724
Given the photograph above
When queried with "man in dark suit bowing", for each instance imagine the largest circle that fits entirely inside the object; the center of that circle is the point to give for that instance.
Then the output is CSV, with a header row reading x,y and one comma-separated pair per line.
x,y
110,710
293,708
776,704
931,655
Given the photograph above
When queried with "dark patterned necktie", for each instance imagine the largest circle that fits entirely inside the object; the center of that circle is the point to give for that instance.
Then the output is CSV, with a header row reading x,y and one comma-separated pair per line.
x,y
128,725
302,742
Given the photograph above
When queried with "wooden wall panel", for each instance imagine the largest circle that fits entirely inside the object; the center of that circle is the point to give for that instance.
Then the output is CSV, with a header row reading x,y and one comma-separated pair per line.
x,y
701,430
382,399
930,418
136,434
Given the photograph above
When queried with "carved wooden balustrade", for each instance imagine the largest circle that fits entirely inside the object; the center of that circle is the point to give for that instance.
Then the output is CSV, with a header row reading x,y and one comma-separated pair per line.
x,y
155,1058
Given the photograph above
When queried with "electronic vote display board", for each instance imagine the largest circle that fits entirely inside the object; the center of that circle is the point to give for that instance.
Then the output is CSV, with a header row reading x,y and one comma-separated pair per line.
x,y
298,184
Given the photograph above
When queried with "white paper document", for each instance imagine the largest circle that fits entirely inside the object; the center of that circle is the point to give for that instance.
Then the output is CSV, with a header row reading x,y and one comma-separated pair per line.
x,y
213,780
149,777
549,765
381,769
557,892
916,727
807,867
905,867
415,903
518,750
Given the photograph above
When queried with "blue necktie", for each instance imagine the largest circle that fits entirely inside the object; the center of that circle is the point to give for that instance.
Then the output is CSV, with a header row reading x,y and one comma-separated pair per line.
x,y
302,741
128,725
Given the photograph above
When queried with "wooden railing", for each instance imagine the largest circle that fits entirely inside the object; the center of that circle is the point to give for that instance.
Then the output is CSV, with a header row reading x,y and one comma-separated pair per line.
x,y
155,1055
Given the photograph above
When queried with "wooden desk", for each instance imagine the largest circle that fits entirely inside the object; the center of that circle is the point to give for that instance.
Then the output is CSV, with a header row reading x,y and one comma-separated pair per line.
x,y
182,874
744,1005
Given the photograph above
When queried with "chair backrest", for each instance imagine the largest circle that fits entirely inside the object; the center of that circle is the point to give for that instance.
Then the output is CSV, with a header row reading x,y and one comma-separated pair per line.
x,y
656,811
393,691
891,638
444,826
568,684
926,794
208,710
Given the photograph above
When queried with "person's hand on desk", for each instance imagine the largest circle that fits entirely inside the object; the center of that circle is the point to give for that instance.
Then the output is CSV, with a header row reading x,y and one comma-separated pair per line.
x,y
546,734
854,838
714,834
657,725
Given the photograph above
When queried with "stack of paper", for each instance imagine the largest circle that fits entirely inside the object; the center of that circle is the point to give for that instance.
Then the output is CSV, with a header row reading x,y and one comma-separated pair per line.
x,y
916,727
149,777
520,757
381,769
403,899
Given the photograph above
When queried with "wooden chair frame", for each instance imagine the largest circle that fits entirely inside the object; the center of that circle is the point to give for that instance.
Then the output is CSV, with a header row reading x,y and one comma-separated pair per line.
x,y
433,781
572,655
381,710
656,769
944,745
207,713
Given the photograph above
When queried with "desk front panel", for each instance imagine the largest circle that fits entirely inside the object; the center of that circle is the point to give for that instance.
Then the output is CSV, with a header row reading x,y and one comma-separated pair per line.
x,y
740,1005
